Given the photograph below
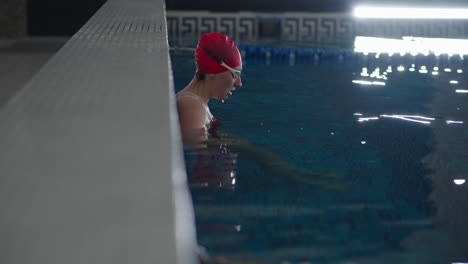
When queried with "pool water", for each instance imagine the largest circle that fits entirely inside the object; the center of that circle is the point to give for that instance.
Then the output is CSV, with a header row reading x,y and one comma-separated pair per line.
x,y
399,149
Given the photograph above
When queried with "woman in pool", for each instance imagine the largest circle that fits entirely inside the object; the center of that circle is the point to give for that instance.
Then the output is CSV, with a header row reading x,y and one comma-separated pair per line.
x,y
218,75
219,66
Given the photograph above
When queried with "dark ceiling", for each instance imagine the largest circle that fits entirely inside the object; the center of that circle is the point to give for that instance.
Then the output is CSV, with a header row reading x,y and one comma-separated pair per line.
x,y
58,17
301,5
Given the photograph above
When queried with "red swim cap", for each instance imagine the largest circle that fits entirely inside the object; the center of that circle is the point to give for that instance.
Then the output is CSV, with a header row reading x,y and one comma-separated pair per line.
x,y
220,46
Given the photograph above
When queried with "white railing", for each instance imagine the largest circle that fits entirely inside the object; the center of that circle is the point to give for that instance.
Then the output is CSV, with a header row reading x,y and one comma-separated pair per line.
x,y
91,166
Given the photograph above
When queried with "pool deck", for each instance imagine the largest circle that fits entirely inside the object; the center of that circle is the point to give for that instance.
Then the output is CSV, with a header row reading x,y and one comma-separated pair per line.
x,y
20,61
91,158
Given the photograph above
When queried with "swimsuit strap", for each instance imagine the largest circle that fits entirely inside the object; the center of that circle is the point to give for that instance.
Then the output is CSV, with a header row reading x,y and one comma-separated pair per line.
x,y
192,95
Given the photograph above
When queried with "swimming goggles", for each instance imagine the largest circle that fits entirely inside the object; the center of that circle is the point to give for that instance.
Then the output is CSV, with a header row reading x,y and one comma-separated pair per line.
x,y
236,74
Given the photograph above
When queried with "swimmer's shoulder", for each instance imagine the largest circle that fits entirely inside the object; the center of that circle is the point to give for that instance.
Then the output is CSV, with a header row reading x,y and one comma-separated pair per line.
x,y
190,101
192,112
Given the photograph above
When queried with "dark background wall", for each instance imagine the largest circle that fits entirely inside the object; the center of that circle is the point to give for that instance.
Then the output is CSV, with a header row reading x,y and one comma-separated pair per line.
x,y
261,6
59,17
65,17
12,18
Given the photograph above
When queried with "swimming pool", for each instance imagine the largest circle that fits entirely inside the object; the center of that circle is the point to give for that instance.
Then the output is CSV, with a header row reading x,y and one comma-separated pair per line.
x,y
395,132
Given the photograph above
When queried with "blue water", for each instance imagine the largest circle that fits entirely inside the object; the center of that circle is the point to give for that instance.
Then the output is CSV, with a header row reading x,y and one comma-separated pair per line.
x,y
397,200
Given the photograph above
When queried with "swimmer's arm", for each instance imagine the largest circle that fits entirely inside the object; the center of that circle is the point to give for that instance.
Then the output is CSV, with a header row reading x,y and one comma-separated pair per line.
x,y
192,117
268,160
272,162
265,158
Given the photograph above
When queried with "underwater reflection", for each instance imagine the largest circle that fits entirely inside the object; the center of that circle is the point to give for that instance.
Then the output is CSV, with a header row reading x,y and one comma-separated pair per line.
x,y
214,168
213,164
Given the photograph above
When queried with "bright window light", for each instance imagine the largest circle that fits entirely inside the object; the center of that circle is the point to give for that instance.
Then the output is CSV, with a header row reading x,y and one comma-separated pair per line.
x,y
378,83
362,82
364,119
411,45
459,181
368,82
461,91
410,13
453,122
420,117
411,118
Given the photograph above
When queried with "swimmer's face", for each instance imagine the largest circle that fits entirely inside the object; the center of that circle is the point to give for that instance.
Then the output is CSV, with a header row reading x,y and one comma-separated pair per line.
x,y
225,83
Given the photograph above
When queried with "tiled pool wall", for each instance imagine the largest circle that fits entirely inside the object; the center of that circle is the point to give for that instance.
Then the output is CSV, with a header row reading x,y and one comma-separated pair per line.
x,y
247,27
